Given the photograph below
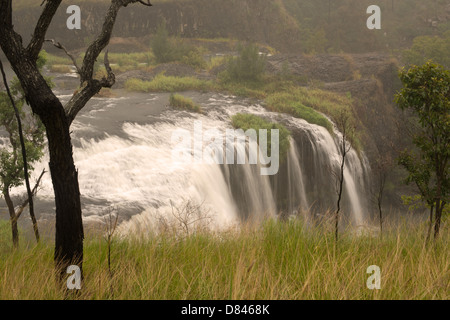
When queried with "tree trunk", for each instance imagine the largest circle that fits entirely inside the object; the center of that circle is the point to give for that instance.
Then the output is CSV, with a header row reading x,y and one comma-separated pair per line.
x,y
341,182
437,222
440,174
12,218
69,227
430,224
380,211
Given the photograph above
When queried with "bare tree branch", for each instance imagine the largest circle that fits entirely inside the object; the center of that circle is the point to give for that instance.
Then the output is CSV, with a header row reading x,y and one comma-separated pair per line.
x,y
110,79
90,86
6,13
38,38
60,46
146,3
8,35
33,192
101,41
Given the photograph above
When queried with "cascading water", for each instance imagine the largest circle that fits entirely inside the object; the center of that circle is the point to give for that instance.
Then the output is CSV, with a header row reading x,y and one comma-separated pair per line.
x,y
297,190
124,155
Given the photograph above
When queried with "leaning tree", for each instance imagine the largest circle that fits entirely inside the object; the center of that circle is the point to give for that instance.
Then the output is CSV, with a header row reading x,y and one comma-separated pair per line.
x,y
57,117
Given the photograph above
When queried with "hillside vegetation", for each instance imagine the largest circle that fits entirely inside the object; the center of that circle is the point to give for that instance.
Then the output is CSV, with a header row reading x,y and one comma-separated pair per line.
x,y
264,21
321,26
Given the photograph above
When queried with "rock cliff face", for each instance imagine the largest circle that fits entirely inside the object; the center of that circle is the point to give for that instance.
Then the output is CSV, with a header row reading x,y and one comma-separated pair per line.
x,y
263,21
371,79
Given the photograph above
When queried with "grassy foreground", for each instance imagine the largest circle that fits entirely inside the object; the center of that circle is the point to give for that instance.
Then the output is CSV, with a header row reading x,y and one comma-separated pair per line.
x,y
275,261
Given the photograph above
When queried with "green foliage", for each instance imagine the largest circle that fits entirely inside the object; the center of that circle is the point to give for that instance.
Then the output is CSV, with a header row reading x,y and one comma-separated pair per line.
x,y
180,102
416,202
167,49
11,163
194,58
285,72
42,59
122,62
311,104
287,103
316,41
215,62
248,66
426,48
250,121
426,92
53,59
161,46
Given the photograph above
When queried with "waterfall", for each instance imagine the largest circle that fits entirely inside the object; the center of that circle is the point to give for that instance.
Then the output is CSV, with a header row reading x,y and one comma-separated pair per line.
x,y
127,163
297,188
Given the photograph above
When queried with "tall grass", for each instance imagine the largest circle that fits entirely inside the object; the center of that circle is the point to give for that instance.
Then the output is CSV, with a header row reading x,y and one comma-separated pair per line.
x,y
279,260
162,83
183,103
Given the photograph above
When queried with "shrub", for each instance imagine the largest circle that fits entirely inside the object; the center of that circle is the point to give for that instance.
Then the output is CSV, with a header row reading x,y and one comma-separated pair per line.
x,y
215,62
429,47
166,50
161,46
136,85
180,102
249,65
194,58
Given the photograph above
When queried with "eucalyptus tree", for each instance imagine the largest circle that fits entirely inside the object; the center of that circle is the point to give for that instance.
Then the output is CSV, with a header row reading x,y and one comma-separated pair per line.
x,y
426,92
56,117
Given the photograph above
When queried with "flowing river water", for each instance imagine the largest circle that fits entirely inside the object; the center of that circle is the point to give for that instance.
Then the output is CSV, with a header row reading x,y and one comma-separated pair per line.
x,y
124,154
